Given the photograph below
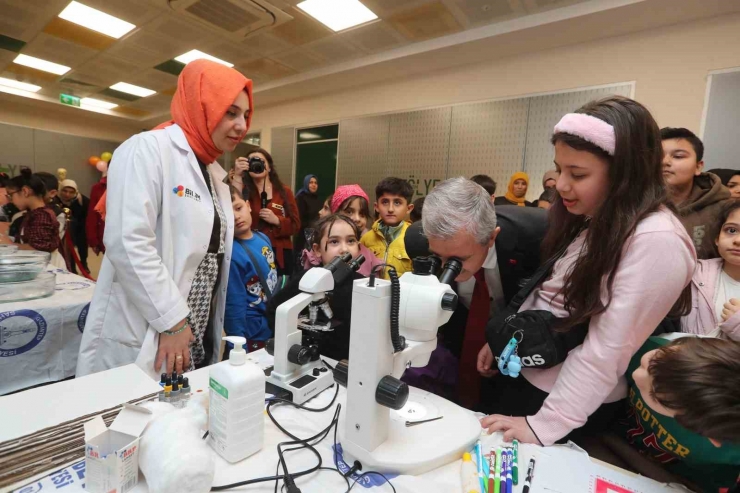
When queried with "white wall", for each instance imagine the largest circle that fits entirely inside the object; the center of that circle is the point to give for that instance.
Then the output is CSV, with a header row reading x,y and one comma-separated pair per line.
x,y
669,66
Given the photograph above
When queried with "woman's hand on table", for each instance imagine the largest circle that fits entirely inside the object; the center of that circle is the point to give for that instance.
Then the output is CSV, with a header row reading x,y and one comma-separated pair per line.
x,y
512,427
174,349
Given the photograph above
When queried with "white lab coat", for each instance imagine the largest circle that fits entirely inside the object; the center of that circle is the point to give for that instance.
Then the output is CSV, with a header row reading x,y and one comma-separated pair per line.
x,y
155,239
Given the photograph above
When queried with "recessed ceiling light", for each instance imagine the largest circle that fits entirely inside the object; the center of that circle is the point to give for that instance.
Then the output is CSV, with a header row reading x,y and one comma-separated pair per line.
x,y
40,64
132,89
19,85
96,20
97,103
338,14
195,55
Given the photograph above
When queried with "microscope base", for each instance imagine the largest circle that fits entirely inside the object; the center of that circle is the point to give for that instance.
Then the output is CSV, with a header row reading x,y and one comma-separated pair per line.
x,y
304,383
418,449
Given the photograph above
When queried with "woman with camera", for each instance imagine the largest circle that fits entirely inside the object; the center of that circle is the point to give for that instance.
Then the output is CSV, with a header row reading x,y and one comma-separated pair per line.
x,y
161,293
274,210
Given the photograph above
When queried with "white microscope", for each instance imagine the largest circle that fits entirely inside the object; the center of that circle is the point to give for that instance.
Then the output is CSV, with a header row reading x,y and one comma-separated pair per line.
x,y
298,368
389,426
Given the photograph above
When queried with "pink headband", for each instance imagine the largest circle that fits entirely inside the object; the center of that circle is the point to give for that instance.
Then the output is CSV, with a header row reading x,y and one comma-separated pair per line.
x,y
589,128
344,192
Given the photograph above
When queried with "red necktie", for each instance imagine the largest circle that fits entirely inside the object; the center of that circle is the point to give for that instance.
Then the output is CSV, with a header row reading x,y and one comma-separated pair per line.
x,y
475,337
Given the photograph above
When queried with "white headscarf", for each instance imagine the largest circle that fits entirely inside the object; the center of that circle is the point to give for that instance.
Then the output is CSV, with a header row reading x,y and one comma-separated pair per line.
x,y
71,184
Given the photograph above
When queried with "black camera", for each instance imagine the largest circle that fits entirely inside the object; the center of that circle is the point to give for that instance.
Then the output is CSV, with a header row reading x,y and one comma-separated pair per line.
x,y
256,165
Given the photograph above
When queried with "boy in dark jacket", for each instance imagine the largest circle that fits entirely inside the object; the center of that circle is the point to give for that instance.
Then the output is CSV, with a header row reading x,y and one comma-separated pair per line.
x,y
699,197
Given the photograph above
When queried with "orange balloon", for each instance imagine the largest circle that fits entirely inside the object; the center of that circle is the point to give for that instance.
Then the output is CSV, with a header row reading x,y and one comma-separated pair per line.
x,y
93,160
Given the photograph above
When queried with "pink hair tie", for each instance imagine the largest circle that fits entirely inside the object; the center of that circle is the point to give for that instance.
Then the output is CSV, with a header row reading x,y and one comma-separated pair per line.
x,y
589,128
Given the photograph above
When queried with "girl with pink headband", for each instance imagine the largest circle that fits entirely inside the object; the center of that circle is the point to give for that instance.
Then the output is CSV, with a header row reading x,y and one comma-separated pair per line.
x,y
623,261
352,201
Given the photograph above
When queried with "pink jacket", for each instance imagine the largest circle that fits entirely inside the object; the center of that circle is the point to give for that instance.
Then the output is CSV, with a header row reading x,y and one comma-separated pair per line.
x,y
310,259
703,319
657,264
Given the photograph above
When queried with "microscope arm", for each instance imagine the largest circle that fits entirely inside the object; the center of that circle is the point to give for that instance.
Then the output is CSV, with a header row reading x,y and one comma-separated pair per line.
x,y
286,331
416,354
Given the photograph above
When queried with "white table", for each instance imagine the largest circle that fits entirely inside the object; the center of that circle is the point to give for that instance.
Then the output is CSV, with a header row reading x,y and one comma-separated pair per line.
x,y
40,339
563,469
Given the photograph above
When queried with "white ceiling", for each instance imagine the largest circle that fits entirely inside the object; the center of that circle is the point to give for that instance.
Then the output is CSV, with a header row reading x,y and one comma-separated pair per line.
x,y
411,36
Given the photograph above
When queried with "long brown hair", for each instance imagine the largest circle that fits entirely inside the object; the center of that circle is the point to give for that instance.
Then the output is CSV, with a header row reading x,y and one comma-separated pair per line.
x,y
635,190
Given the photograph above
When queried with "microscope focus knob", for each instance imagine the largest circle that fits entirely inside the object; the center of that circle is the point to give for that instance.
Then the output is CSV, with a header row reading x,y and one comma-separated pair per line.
x,y
270,346
299,355
449,302
341,372
391,392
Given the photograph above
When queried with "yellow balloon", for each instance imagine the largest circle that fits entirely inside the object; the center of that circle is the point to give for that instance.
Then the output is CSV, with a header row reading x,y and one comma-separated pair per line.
x,y
106,157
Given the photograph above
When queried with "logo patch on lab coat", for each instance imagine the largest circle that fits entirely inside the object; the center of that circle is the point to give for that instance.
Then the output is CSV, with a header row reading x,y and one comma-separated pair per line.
x,y
181,191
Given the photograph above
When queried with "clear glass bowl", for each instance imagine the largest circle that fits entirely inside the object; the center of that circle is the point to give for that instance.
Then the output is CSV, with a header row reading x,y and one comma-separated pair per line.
x,y
21,266
41,287
8,249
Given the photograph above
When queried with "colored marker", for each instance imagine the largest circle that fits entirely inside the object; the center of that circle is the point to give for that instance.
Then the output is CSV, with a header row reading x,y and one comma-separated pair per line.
x,y
486,469
497,473
502,488
530,476
515,463
479,460
509,484
491,469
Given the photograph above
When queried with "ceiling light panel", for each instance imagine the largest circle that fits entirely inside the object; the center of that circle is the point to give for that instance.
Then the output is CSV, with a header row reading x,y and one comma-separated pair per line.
x,y
338,15
96,20
97,103
40,64
19,85
142,92
196,55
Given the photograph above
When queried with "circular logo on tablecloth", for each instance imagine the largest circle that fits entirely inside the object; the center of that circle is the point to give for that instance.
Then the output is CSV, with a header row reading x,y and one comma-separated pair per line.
x,y
72,286
31,488
83,318
20,331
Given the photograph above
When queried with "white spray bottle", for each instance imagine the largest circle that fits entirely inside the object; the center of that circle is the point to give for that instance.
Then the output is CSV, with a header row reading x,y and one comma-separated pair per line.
x,y
237,395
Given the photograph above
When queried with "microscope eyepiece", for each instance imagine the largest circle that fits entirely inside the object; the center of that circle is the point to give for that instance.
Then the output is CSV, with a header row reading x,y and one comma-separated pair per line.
x,y
451,270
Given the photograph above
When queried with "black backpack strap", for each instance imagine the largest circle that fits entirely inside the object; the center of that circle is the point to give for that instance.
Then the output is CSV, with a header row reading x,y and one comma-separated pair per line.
x,y
539,276
263,281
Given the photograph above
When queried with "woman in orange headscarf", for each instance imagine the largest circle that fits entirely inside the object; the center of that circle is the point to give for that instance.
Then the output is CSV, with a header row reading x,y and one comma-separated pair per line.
x,y
517,191
161,292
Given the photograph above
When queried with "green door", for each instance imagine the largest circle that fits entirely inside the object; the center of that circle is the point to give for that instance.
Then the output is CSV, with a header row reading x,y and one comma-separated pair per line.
x,y
316,154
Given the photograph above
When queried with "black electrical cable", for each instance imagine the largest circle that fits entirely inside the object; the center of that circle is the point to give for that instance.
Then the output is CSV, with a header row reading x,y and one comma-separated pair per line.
x,y
303,442
398,341
272,400
372,472
323,432
361,475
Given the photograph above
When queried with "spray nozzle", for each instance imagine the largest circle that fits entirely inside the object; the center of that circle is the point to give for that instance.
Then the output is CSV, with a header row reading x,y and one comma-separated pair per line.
x,y
237,356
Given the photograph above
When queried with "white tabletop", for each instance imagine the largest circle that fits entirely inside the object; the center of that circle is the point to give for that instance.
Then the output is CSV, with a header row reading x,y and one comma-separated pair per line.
x,y
560,469
40,339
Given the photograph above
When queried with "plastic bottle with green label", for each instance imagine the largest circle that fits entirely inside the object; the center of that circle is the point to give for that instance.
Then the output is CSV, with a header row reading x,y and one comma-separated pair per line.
x,y
237,395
